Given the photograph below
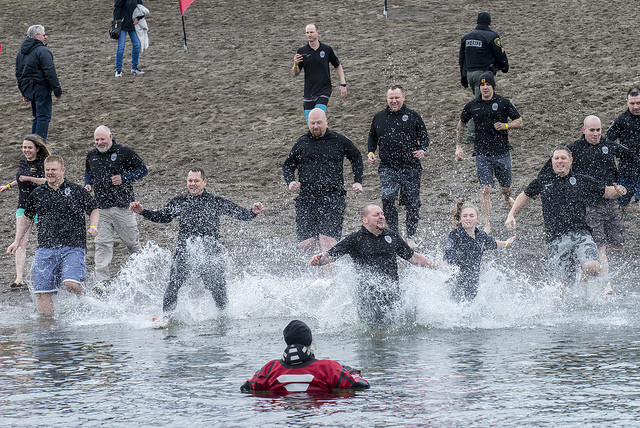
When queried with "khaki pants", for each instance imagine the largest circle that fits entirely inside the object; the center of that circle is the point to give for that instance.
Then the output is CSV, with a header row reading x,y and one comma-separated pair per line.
x,y
120,221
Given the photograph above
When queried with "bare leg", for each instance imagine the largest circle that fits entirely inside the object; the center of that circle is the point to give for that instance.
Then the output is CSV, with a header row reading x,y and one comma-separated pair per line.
x,y
485,207
74,287
44,304
604,272
21,251
310,246
591,268
324,244
506,194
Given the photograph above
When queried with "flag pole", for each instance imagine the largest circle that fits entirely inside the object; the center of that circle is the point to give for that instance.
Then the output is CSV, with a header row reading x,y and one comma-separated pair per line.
x,y
186,49
384,11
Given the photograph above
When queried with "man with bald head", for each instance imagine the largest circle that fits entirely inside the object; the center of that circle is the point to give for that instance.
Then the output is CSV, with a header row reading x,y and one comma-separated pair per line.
x,y
111,170
318,156
595,156
374,250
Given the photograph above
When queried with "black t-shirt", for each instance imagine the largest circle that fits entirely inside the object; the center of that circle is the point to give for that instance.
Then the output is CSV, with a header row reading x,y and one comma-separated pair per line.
x,y
61,212
100,167
33,168
317,77
489,141
564,201
374,255
626,129
398,134
465,252
198,215
320,164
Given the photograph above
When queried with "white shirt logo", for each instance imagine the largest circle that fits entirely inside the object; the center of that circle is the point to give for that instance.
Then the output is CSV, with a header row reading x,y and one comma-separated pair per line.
x,y
67,191
295,382
114,156
605,149
572,180
405,117
388,239
494,106
322,54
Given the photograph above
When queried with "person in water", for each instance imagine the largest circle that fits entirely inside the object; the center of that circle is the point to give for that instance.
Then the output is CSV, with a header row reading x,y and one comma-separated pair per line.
x,y
299,371
464,248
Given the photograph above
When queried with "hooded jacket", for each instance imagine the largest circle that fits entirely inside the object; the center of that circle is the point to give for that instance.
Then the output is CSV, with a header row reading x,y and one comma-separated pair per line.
x,y
34,66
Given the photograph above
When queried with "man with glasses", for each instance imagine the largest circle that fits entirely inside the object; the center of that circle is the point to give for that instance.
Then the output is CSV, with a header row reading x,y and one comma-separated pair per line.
x,y
626,129
37,78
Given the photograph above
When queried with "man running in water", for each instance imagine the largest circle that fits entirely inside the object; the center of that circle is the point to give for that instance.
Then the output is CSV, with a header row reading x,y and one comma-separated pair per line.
x,y
199,214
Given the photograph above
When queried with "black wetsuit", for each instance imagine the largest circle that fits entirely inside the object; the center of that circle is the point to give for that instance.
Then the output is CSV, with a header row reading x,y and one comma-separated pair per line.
x,y
197,250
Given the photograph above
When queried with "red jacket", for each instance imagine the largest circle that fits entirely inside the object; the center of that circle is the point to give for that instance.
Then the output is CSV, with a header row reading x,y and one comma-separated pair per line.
x,y
312,376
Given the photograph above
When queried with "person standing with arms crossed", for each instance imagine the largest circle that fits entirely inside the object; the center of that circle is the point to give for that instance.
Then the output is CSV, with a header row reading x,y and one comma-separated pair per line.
x,y
490,113
401,136
315,58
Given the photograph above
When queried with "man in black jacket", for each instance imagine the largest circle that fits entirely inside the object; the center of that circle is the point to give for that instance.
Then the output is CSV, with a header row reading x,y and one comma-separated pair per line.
x,y
318,156
401,137
37,78
480,50
110,171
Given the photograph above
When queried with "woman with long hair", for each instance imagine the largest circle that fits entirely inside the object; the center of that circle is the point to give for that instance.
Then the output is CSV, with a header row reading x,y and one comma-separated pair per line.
x,y
30,175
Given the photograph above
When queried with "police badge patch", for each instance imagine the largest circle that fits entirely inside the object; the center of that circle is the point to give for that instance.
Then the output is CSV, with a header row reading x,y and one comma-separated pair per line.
x,y
67,191
322,54
405,117
114,156
388,239
573,181
494,106
605,149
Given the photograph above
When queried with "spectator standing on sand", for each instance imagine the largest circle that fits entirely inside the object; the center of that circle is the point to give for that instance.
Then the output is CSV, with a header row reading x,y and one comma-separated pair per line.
x,y
37,78
123,11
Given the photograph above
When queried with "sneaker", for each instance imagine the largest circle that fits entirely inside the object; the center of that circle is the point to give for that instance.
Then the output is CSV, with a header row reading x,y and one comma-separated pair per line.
x,y
118,73
137,72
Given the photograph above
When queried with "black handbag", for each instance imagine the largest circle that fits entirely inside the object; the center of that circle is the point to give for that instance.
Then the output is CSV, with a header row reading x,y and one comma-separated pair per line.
x,y
116,28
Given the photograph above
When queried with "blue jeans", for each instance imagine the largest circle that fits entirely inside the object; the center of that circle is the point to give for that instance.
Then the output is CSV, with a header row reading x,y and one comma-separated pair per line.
x,y
41,107
135,51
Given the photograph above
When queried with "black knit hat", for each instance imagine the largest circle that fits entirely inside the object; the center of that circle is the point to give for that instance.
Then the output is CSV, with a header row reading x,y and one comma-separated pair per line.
x,y
487,77
298,333
484,18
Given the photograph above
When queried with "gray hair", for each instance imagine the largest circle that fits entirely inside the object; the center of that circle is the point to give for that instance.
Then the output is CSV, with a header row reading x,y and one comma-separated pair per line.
x,y
35,29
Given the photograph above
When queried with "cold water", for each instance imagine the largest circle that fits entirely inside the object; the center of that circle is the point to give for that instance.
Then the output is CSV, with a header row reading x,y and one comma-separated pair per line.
x,y
519,355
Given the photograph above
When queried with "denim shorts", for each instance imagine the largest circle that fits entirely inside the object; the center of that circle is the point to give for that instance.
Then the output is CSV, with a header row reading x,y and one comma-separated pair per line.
x,y
488,166
53,266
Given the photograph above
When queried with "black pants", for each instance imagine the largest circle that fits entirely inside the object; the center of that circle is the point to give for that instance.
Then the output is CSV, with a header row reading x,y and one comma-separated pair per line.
x,y
204,260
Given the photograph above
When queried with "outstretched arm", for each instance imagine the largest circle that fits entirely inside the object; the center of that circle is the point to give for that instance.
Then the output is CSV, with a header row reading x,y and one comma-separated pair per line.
x,y
521,201
420,260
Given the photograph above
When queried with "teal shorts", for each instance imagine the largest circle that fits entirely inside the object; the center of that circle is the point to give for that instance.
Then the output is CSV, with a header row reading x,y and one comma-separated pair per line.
x,y
20,213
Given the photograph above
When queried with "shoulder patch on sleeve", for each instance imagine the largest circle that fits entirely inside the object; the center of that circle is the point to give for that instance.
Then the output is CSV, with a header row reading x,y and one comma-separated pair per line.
x,y
497,42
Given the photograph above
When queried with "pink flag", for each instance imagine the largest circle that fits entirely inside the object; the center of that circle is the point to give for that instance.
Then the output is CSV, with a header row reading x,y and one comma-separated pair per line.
x,y
184,4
